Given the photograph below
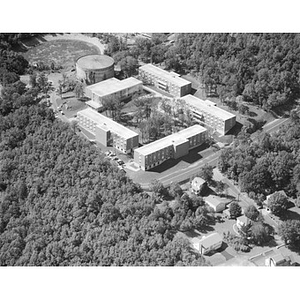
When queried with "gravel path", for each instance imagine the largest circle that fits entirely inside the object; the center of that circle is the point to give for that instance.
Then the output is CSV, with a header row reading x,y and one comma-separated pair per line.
x,y
76,36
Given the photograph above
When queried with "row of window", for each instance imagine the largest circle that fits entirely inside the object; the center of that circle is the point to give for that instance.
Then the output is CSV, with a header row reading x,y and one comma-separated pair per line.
x,y
151,77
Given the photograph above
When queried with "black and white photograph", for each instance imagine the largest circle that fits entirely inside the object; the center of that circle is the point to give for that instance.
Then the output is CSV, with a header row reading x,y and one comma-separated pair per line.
x,y
126,148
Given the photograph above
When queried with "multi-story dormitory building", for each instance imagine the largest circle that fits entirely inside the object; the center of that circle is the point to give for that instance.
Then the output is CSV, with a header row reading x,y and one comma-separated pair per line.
x,y
108,132
167,81
205,113
112,88
172,146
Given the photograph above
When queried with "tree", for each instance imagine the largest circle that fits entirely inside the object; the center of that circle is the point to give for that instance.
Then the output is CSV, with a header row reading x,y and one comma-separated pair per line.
x,y
251,212
44,84
157,188
32,80
243,109
74,125
206,173
260,234
235,210
175,190
290,232
278,204
129,66
220,187
79,90
202,217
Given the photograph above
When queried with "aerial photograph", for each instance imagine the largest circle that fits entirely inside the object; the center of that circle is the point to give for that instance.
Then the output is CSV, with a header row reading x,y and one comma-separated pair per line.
x,y
150,149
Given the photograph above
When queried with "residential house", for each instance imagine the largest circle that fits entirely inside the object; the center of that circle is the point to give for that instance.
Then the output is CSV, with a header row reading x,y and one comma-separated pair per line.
x,y
209,243
243,221
278,260
198,184
215,203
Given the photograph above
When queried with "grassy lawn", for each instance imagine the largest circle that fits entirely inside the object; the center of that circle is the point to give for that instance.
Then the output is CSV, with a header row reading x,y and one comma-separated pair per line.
x,y
72,103
61,52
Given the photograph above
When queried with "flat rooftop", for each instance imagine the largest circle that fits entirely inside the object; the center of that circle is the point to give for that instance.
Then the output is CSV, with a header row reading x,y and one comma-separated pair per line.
x,y
175,138
103,121
94,104
202,105
113,85
175,79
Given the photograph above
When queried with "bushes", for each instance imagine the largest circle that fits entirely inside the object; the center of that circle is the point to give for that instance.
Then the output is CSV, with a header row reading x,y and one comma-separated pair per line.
x,y
236,242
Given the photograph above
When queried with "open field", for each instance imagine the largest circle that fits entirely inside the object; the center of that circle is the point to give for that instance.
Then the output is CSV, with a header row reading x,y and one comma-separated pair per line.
x,y
60,52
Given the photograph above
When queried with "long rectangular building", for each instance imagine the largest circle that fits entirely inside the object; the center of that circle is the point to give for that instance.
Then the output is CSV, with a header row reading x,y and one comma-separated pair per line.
x,y
167,81
112,88
205,113
108,132
172,146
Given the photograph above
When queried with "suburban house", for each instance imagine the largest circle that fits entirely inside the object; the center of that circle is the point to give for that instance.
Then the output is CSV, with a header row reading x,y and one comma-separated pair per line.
x,y
198,184
209,243
278,260
215,203
242,221
266,202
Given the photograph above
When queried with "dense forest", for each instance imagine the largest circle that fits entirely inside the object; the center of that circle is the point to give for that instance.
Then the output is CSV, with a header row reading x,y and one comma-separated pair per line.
x,y
267,163
62,203
262,68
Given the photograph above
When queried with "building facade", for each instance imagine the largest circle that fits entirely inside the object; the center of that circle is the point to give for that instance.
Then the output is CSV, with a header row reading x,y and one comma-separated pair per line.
x,y
214,117
110,89
108,132
169,82
172,146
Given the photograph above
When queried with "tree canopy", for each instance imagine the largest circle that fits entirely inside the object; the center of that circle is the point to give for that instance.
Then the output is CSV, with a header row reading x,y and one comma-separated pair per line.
x,y
263,68
63,203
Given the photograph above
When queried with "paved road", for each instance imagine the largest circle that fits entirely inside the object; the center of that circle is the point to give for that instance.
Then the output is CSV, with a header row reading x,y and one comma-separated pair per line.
x,y
182,175
274,125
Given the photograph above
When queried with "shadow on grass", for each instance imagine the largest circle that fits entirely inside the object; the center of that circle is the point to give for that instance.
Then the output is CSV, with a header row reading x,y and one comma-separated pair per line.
x,y
235,130
206,229
252,114
192,234
291,215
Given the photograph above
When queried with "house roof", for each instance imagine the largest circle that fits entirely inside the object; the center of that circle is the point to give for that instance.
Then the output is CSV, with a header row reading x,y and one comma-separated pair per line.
x,y
210,240
278,258
244,219
213,200
198,181
282,192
